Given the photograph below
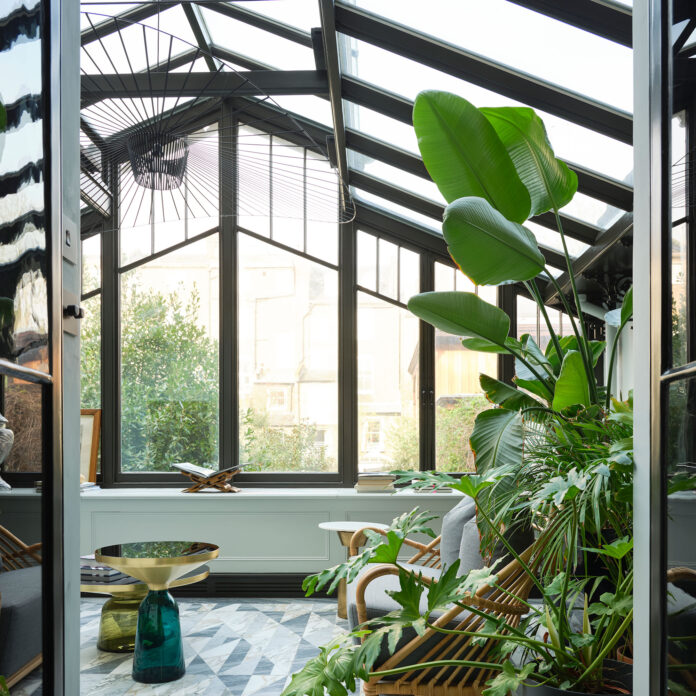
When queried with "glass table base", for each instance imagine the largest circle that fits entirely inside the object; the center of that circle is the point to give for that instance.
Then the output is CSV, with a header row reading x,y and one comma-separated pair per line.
x,y
158,655
119,618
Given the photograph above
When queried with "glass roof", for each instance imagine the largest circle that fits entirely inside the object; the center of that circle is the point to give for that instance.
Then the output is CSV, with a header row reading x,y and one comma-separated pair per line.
x,y
407,78
533,45
527,41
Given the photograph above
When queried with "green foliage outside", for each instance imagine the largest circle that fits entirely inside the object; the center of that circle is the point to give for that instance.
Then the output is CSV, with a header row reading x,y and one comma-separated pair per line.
x,y
453,427
170,376
264,448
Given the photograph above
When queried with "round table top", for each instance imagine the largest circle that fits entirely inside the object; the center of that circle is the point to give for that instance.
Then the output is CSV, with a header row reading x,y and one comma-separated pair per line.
x,y
349,525
156,553
132,586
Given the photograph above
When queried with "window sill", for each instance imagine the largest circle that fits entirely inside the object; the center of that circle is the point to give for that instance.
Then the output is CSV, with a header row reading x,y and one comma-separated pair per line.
x,y
256,493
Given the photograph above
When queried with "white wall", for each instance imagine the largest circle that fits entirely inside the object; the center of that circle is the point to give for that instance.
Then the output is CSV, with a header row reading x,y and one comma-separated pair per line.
x,y
258,530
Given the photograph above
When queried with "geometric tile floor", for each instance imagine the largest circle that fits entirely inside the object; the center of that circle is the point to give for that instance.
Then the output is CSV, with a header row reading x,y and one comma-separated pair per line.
x,y
235,647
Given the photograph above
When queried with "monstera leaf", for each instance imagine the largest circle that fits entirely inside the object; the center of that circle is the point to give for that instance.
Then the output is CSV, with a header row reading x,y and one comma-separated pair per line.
x,y
464,156
550,183
486,246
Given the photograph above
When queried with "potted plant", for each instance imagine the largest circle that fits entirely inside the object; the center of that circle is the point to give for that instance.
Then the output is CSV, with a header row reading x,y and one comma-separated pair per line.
x,y
554,450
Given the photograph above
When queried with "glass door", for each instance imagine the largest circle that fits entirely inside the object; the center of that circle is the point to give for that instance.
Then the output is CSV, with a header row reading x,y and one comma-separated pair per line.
x,y
665,321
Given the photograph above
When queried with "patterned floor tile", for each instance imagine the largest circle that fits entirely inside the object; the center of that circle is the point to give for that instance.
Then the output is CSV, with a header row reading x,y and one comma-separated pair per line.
x,y
232,647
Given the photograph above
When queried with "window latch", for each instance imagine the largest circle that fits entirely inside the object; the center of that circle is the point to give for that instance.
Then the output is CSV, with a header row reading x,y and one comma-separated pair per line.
x,y
73,311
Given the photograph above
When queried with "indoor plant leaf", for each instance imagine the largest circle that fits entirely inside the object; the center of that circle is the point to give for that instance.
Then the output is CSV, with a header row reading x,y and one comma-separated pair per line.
x,y
489,248
483,346
464,155
572,387
551,184
508,680
506,396
462,314
627,306
497,439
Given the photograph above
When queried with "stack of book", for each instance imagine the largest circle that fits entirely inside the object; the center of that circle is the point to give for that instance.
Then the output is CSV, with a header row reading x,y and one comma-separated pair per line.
x,y
377,482
93,572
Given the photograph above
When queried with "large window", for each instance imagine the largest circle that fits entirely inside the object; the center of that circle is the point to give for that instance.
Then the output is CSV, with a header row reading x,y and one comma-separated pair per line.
x,y
458,394
169,360
288,360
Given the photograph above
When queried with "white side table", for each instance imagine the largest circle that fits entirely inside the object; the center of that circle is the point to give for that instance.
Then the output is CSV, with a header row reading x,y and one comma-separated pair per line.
x,y
345,530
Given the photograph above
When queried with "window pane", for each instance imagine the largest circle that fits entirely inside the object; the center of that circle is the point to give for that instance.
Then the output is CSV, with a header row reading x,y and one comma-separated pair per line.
x,y
527,318
388,269
257,44
408,77
91,263
254,181
387,386
367,261
90,354
169,360
297,13
444,277
288,361
458,399
529,41
409,274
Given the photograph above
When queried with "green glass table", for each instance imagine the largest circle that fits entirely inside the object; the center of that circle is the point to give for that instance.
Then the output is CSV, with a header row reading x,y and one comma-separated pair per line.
x,y
158,656
119,615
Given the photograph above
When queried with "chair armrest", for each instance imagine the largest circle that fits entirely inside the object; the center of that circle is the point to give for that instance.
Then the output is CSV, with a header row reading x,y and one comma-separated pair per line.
x,y
426,554
680,573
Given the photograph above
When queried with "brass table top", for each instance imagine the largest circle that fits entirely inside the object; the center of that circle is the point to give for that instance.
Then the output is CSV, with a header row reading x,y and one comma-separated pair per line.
x,y
157,563
140,588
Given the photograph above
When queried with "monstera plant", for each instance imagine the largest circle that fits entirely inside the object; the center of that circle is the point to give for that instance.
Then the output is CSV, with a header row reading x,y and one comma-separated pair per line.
x,y
553,452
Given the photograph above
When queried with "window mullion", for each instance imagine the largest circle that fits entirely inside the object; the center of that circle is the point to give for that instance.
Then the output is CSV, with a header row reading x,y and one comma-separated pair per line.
x,y
229,335
426,371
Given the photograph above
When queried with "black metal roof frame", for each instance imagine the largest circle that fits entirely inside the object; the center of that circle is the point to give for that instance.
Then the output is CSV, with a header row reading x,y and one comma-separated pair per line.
x,y
601,17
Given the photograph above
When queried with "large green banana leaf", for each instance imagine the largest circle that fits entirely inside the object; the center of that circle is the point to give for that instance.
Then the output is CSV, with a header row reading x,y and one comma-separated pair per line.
x,y
551,184
465,156
505,395
572,387
486,246
462,314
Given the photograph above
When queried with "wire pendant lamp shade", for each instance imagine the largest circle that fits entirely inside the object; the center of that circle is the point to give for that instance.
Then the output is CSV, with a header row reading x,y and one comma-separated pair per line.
x,y
150,129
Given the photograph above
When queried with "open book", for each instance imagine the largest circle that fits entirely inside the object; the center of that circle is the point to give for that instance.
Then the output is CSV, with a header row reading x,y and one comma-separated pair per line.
x,y
202,471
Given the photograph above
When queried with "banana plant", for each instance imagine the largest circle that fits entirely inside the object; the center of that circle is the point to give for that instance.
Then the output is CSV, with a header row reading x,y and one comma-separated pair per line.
x,y
496,169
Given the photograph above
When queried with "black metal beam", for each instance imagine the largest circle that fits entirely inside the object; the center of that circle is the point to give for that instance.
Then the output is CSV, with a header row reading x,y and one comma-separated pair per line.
x,y
220,84
200,32
266,23
606,241
603,188
238,59
333,71
601,17
483,72
109,26
591,183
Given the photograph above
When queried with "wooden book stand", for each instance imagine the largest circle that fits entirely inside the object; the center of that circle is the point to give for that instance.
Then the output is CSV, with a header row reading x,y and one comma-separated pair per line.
x,y
219,480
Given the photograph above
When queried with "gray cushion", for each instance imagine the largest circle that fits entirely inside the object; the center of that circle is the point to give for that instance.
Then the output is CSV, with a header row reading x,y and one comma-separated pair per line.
x,y
20,618
469,553
452,526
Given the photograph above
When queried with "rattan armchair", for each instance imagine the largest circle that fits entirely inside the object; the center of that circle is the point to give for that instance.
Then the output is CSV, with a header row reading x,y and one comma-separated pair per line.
x,y
434,645
17,556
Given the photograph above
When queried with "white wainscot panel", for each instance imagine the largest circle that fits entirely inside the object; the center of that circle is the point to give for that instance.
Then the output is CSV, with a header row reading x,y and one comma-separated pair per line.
x,y
288,541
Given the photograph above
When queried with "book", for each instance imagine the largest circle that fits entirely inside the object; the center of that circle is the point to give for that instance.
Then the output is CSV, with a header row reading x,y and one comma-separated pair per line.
x,y
98,571
188,468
